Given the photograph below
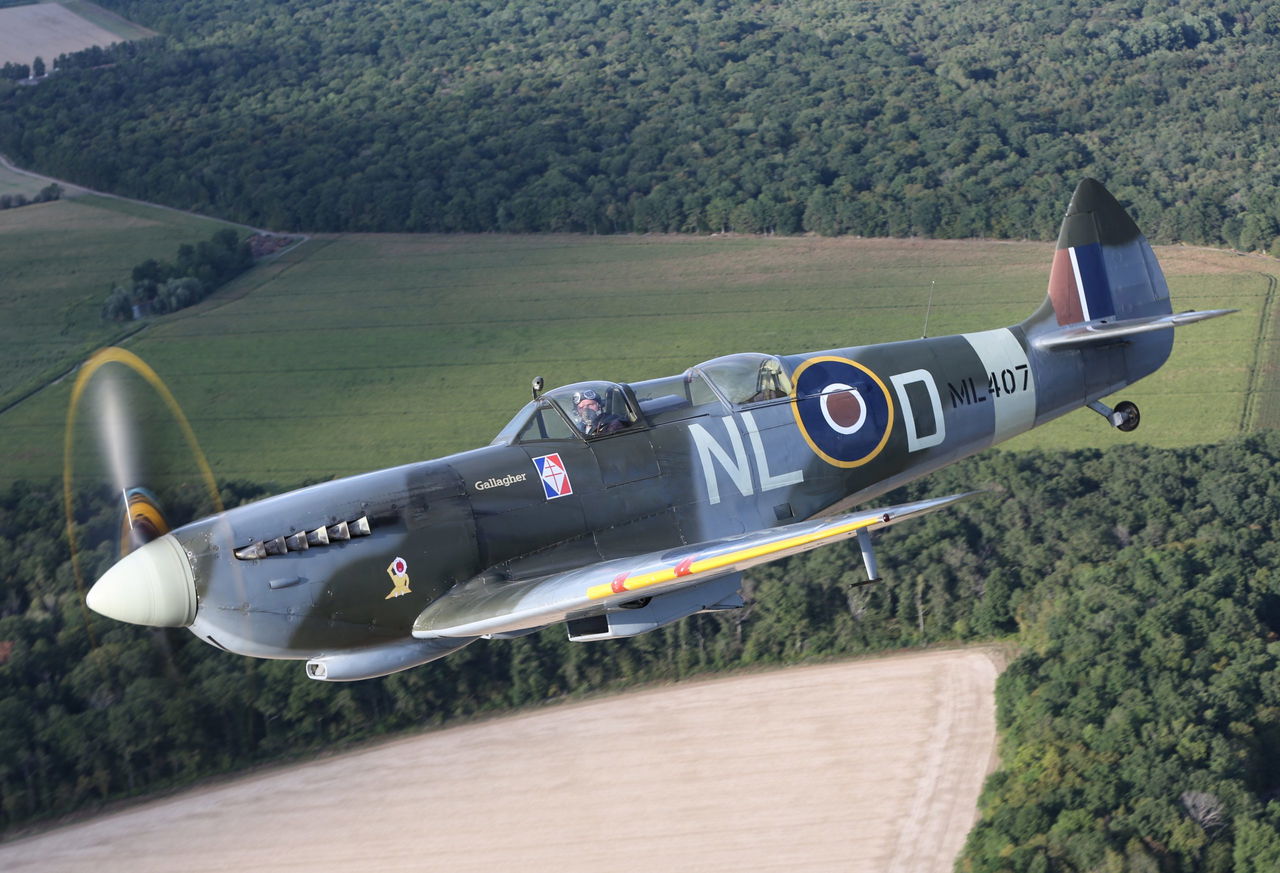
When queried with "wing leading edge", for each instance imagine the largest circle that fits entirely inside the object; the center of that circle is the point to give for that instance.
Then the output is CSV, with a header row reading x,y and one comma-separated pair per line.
x,y
485,607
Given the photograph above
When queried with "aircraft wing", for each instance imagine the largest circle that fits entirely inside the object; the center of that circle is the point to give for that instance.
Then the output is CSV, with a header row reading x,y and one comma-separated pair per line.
x,y
483,607
1100,332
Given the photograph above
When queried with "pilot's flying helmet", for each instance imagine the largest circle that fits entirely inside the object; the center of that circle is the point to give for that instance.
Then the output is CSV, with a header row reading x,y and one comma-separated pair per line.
x,y
587,414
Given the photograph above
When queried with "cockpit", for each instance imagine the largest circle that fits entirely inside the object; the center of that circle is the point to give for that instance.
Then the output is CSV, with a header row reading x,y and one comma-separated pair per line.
x,y
747,378
592,410
584,409
714,386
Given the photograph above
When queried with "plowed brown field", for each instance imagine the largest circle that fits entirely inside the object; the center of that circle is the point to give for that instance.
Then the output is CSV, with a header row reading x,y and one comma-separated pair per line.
x,y
870,765
51,29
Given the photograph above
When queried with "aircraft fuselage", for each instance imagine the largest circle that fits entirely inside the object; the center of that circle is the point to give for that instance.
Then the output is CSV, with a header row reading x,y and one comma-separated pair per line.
x,y
700,471
617,508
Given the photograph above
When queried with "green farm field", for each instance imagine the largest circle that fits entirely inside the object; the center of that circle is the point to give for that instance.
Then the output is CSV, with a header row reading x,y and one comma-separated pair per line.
x,y
359,351
19,183
106,19
58,262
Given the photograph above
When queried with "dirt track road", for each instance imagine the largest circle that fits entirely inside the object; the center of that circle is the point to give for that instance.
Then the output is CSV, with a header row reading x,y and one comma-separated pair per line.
x,y
868,765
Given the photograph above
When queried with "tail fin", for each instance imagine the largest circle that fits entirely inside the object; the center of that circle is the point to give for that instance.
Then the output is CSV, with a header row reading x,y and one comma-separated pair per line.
x,y
1105,284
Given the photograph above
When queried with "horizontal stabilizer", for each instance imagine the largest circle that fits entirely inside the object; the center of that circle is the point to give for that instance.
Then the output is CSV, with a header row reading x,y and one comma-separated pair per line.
x,y
1102,331
486,606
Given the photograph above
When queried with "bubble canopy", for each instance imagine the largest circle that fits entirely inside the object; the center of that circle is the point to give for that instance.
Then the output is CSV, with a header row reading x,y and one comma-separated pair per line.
x,y
714,386
583,409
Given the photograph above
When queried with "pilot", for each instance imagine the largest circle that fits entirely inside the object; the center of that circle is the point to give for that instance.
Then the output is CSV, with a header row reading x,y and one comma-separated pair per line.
x,y
768,383
592,419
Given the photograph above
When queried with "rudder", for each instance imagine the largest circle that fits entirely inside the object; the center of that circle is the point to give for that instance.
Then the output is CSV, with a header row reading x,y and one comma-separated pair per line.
x,y
1103,268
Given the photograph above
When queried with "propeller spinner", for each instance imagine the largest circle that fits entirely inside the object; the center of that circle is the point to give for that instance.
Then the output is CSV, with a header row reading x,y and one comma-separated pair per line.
x,y
152,582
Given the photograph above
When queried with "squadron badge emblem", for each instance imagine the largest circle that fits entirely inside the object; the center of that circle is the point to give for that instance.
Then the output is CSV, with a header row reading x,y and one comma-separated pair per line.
x,y
398,570
555,478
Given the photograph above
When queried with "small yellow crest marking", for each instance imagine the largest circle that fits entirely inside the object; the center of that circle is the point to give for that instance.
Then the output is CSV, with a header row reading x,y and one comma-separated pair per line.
x,y
398,570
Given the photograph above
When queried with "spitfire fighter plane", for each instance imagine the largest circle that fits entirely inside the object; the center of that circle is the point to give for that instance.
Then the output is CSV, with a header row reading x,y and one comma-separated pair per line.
x,y
617,508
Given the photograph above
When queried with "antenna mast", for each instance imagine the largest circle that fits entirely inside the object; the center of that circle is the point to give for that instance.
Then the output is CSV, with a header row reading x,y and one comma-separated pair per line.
x,y
925,333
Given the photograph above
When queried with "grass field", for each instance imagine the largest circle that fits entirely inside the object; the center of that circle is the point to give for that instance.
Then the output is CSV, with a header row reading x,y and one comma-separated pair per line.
x,y
109,21
58,262
47,30
1262,407
359,351
17,183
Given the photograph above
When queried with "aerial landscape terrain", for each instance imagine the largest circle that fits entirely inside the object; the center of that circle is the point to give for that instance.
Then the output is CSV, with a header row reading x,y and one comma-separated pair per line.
x,y
437,203
49,30
732,761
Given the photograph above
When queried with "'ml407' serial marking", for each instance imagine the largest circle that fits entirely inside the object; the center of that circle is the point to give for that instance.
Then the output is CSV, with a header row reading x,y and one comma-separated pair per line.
x,y
999,383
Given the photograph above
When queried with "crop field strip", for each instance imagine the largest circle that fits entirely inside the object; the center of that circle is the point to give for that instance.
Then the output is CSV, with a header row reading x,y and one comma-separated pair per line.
x,y
107,20
59,260
357,351
915,733
51,29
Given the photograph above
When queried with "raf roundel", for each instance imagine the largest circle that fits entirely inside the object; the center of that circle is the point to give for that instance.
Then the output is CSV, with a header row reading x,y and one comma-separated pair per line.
x,y
843,409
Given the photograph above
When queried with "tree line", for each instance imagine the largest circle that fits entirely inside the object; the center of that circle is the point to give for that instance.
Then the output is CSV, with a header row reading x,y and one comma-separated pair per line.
x,y
50,192
14,72
161,287
1140,718
887,119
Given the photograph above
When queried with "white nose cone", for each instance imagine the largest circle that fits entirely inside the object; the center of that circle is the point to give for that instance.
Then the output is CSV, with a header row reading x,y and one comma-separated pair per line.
x,y
152,585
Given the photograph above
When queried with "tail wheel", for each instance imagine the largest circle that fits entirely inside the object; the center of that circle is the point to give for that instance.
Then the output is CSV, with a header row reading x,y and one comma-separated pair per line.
x,y
1127,416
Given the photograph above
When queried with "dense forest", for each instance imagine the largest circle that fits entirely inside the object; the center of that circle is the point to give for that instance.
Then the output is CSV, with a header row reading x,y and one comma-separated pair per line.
x,y
896,118
1140,722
